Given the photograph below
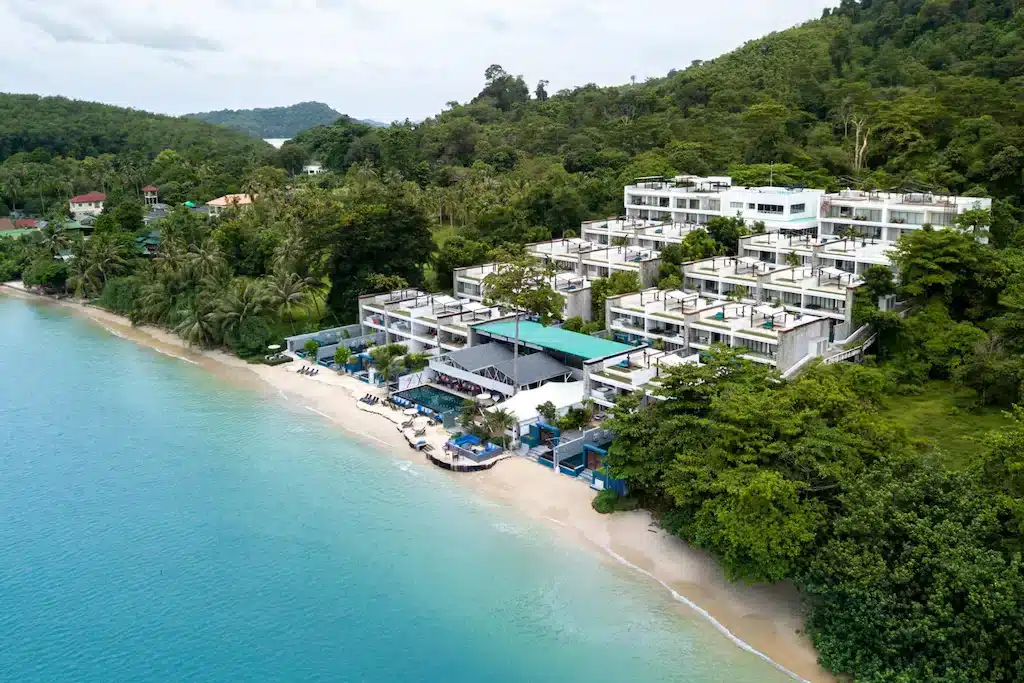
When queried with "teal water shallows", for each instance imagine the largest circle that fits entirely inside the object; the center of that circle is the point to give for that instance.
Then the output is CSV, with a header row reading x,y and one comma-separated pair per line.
x,y
156,525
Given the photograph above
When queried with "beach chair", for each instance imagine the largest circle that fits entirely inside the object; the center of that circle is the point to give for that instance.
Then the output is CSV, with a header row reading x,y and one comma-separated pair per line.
x,y
420,432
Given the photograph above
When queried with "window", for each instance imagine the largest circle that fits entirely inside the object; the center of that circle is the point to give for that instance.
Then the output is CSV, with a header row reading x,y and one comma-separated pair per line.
x,y
797,208
908,217
694,203
680,203
714,205
770,208
750,206
735,205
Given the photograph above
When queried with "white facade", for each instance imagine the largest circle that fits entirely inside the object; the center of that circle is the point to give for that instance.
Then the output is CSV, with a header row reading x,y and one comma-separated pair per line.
x,y
812,290
87,205
575,255
312,169
468,283
686,323
692,200
635,232
853,255
425,323
888,216
608,379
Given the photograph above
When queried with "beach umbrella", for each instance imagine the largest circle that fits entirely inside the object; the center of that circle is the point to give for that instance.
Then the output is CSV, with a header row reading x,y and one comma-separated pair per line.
x,y
411,411
484,397
274,347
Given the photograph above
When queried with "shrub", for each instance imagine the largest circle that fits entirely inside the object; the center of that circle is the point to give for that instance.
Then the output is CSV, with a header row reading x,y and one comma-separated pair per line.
x,y
608,501
120,295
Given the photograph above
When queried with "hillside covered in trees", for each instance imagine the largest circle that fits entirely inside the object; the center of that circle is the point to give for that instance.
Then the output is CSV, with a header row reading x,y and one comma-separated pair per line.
x,y
878,93
52,148
272,122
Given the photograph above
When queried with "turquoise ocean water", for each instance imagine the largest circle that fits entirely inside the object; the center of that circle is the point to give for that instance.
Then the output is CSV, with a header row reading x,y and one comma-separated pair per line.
x,y
156,525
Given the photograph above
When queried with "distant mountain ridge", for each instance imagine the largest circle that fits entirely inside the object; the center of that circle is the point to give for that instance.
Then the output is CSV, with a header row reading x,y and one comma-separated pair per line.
x,y
275,122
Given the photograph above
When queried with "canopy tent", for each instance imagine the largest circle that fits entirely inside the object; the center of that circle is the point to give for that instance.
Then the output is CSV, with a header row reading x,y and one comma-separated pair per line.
x,y
523,405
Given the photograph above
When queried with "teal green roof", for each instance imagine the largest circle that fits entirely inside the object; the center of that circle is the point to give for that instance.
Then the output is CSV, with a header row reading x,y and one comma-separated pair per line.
x,y
556,339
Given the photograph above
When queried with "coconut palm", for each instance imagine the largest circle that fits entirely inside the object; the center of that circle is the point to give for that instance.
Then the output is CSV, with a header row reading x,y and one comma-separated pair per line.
x,y
287,292
204,260
196,325
499,421
107,259
244,300
54,240
79,280
157,301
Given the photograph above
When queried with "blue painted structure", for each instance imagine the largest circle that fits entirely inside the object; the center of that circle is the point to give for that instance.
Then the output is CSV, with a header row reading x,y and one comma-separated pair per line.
x,y
534,436
618,485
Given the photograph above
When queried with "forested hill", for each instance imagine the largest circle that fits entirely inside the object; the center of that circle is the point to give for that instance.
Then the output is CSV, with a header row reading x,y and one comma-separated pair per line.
x,y
273,122
934,88
56,126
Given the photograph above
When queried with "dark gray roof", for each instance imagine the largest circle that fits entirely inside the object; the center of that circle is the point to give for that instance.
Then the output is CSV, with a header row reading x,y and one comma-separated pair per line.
x,y
479,357
536,367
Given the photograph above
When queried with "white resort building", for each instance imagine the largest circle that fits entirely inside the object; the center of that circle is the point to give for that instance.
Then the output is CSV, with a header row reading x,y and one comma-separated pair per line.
x,y
575,289
890,215
579,256
687,323
693,200
425,323
636,232
221,204
817,290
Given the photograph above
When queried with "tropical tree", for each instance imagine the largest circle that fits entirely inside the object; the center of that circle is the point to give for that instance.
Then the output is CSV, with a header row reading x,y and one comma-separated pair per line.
x,y
499,421
54,239
197,324
342,355
524,285
245,300
286,293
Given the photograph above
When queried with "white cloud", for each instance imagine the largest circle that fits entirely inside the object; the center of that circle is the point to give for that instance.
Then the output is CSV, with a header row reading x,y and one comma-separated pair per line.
x,y
383,59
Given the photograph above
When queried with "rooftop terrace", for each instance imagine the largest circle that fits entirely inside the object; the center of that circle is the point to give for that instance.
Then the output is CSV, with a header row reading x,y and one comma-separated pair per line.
x,y
554,338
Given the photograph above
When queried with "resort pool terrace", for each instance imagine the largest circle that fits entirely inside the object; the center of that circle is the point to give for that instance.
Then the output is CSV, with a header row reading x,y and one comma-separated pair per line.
x,y
431,397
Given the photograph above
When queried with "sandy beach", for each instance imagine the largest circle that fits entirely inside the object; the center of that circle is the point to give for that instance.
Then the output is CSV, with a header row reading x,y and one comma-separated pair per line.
x,y
763,619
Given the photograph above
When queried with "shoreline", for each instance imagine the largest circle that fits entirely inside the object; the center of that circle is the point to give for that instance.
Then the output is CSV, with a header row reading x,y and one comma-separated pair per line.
x,y
764,620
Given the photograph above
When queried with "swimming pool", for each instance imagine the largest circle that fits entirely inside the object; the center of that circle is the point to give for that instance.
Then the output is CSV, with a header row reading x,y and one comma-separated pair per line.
x,y
431,397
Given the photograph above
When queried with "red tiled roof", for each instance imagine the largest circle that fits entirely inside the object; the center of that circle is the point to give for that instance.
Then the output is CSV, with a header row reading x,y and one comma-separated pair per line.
x,y
6,224
26,223
89,197
149,188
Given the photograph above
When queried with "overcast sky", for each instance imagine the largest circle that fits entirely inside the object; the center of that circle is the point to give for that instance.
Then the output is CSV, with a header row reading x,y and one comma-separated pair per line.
x,y
380,59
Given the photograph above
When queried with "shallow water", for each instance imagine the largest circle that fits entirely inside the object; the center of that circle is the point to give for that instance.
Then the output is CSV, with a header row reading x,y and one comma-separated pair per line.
x,y
156,525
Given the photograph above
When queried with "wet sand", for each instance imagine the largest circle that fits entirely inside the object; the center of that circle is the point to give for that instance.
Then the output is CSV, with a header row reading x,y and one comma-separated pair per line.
x,y
761,618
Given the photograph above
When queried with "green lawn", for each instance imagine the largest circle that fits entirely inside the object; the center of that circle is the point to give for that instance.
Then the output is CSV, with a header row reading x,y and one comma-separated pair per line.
x,y
939,420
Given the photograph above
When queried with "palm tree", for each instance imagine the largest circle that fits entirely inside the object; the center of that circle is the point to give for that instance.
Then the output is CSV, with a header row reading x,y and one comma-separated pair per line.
x,y
196,325
107,259
79,280
244,300
204,260
498,422
156,303
54,239
287,292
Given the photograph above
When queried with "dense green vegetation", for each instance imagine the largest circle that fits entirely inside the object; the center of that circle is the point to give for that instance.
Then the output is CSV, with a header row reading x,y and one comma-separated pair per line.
x,y
52,148
891,494
272,122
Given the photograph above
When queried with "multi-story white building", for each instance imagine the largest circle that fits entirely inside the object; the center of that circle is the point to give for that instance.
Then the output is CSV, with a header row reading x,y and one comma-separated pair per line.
x,y
692,200
575,289
854,255
812,290
890,215
607,379
88,204
686,322
425,323
636,232
579,256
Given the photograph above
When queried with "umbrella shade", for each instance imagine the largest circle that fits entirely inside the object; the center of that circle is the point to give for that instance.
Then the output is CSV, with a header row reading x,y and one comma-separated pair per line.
x,y
411,411
274,347
483,397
